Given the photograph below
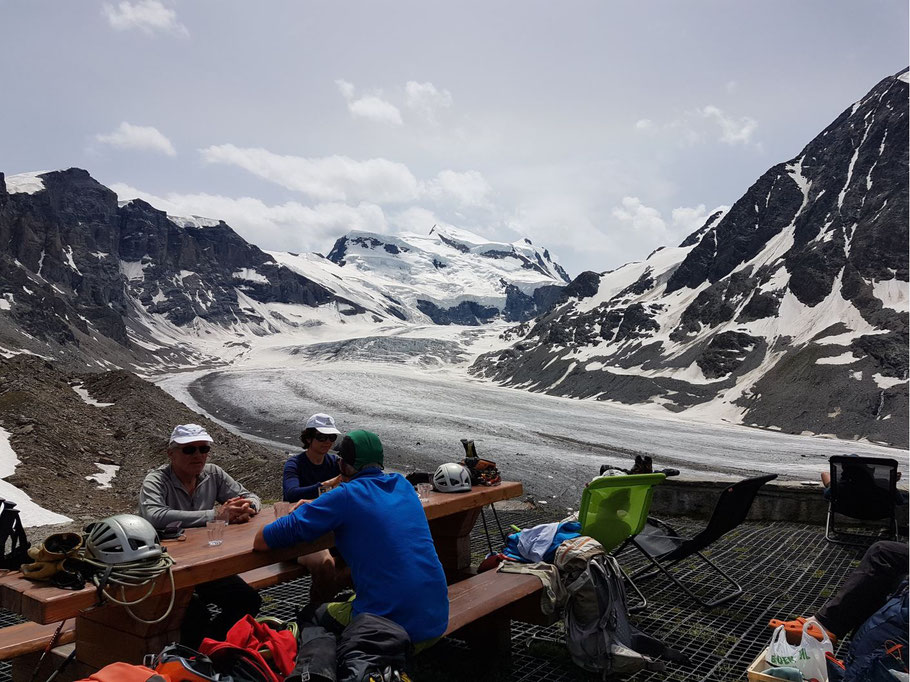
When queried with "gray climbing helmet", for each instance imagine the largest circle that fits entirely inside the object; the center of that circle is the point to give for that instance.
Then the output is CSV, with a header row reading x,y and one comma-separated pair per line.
x,y
122,538
452,478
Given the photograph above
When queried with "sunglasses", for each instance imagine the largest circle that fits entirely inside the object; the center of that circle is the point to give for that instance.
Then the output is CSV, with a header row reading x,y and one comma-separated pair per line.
x,y
191,449
323,437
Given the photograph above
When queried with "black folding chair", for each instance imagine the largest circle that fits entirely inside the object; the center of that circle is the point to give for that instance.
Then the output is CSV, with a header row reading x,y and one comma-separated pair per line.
x,y
664,547
863,488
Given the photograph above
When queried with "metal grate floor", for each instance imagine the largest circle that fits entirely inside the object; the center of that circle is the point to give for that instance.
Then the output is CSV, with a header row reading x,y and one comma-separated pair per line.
x,y
785,569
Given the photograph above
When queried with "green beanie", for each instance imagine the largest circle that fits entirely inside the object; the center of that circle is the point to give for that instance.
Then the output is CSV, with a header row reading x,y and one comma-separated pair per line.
x,y
360,448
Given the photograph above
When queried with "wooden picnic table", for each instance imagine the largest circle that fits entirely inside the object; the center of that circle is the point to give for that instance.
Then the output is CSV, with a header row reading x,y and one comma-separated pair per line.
x,y
106,633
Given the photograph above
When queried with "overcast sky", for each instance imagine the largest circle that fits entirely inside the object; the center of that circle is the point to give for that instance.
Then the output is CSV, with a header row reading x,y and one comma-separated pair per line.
x,y
599,130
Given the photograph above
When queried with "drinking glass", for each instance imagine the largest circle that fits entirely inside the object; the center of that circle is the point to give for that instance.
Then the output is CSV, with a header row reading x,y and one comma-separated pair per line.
x,y
423,491
216,532
282,509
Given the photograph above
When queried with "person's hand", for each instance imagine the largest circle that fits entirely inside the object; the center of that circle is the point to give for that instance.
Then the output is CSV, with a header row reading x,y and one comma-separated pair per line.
x,y
298,503
237,510
332,482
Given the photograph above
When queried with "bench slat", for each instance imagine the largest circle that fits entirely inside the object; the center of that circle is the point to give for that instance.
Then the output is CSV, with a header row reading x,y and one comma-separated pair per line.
x,y
25,638
482,594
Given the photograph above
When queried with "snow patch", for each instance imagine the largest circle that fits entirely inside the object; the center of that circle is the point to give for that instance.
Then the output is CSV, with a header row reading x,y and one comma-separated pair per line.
x,y
30,513
25,183
69,259
86,398
250,275
892,293
887,382
104,477
845,359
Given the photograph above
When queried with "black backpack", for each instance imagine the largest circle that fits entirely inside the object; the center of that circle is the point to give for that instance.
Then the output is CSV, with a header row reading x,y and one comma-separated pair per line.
x,y
599,635
13,543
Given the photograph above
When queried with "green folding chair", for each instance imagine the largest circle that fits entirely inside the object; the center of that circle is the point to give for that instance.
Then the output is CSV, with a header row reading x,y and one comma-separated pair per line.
x,y
615,508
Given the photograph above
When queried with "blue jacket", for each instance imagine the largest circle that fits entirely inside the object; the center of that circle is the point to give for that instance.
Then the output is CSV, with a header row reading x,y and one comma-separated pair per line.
x,y
301,478
381,531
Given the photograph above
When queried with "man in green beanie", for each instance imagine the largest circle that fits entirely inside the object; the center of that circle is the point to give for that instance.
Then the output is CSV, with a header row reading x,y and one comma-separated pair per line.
x,y
382,533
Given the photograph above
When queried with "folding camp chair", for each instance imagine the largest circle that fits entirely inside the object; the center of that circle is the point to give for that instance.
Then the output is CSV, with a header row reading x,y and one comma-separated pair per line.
x,y
664,547
863,488
613,509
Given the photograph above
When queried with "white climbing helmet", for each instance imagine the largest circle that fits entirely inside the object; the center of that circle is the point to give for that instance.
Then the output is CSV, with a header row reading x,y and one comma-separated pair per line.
x,y
452,478
121,539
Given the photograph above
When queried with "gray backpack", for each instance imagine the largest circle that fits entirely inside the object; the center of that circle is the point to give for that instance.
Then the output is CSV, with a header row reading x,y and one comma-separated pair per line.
x,y
599,636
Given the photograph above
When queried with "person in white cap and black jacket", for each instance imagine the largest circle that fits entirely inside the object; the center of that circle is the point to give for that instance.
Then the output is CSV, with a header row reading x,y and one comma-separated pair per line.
x,y
185,492
304,475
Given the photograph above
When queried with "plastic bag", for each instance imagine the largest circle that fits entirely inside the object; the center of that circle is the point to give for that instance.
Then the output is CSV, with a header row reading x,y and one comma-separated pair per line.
x,y
808,656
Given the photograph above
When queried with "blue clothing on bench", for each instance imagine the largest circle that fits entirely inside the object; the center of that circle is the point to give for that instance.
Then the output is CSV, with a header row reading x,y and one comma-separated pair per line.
x,y
382,533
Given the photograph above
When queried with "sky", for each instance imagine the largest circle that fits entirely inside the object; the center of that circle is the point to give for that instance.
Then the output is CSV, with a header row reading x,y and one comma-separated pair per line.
x,y
600,130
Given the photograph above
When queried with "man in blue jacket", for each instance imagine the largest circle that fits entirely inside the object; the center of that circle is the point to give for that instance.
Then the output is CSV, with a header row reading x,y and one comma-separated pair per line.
x,y
382,533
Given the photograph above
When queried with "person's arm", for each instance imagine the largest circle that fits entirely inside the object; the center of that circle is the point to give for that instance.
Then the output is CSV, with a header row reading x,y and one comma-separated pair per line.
x,y
154,508
306,523
228,489
292,490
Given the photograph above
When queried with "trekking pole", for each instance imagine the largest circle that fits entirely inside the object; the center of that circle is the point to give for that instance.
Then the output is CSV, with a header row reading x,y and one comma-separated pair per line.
x,y
52,642
66,662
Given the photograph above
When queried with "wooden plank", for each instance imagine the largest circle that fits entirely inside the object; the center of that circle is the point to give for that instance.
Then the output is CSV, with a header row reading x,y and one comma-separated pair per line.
x,y
486,593
446,504
267,576
25,638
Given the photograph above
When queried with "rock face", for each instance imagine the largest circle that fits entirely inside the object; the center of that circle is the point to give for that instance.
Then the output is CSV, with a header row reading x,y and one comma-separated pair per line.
x,y
787,312
452,276
97,282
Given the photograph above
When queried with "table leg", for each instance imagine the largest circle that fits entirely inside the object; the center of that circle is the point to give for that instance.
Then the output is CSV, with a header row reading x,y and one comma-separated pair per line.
x,y
452,537
108,633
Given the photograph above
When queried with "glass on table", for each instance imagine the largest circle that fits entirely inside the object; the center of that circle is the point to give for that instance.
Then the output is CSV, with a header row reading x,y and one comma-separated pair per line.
x,y
423,491
282,509
215,531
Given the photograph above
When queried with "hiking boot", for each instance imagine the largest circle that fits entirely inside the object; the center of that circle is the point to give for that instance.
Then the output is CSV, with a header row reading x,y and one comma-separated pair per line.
x,y
794,630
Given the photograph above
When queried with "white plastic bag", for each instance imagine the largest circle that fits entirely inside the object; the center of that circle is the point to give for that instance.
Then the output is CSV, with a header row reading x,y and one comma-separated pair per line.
x,y
808,656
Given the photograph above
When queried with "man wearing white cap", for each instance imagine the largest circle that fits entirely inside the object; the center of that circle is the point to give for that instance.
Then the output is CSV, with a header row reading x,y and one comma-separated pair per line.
x,y
304,475
184,493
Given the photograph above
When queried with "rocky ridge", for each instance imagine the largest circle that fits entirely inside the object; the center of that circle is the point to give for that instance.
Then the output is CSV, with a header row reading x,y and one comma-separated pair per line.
x,y
788,312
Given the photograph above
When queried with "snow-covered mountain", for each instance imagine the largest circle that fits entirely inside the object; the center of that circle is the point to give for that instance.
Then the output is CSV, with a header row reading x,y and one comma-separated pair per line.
x,y
92,280
452,276
788,312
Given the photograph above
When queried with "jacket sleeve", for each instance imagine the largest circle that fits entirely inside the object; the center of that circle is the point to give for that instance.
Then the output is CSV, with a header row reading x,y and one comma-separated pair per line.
x,y
291,488
309,521
228,488
154,507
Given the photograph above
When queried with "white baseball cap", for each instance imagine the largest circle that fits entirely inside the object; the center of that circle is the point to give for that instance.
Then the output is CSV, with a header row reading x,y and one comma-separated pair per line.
x,y
189,433
322,423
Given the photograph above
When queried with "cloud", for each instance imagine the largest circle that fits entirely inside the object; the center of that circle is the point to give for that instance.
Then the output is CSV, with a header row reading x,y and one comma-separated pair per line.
x,y
371,107
148,16
696,126
426,99
331,178
469,188
733,130
290,226
143,138
646,225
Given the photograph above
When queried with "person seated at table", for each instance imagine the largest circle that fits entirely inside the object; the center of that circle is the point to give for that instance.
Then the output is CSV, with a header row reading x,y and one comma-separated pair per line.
x,y
382,533
185,492
304,474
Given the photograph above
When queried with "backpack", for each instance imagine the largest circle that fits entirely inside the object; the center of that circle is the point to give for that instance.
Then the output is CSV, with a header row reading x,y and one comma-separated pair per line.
x,y
880,644
605,641
124,672
12,535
